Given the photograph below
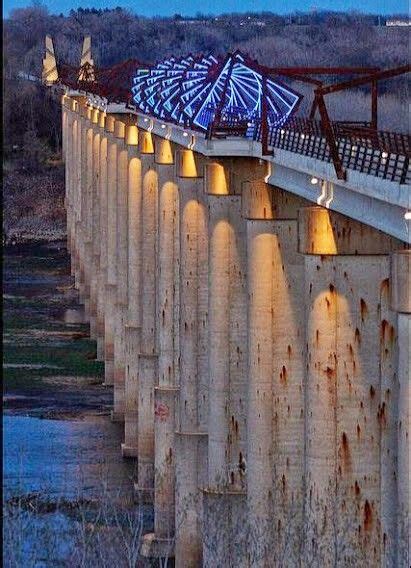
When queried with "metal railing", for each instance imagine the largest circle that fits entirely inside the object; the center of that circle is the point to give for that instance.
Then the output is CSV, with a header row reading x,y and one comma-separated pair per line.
x,y
378,153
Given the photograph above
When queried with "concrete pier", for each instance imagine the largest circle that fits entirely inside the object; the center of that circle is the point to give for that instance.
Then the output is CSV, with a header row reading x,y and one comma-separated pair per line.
x,y
95,229
147,359
101,238
257,343
168,345
111,284
191,436
133,326
401,304
121,307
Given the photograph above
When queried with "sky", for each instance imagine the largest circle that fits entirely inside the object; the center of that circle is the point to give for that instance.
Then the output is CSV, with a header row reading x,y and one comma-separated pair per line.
x,y
191,7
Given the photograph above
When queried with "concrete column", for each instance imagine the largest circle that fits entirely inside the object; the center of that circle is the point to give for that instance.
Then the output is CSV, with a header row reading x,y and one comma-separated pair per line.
x,y
365,437
129,449
260,242
133,327
387,413
191,460
95,226
227,342
74,193
77,183
160,543
225,537
288,382
121,309
148,354
67,156
401,303
219,341
70,190
102,273
351,393
276,342
321,452
85,178
88,227
111,288
64,120
81,161
168,346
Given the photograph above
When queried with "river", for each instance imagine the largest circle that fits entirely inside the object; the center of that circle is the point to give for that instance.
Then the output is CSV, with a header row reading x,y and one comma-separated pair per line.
x,y
68,494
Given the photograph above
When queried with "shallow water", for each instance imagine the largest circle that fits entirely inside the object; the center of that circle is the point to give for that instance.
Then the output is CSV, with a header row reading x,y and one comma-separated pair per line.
x,y
68,494
63,457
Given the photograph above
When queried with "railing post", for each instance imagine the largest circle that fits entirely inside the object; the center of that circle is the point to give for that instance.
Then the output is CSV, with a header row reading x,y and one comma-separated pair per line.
x,y
219,110
329,135
405,169
313,108
264,118
374,105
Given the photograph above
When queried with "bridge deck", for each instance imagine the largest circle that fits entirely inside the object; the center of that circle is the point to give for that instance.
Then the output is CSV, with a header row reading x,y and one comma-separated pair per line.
x,y
376,191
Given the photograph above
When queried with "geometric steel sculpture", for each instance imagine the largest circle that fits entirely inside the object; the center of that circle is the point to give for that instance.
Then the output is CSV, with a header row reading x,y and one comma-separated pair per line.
x,y
50,73
203,91
235,96
86,60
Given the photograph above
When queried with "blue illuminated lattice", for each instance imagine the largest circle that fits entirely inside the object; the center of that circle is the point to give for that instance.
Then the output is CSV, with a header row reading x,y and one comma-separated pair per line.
x,y
172,84
242,87
191,82
196,91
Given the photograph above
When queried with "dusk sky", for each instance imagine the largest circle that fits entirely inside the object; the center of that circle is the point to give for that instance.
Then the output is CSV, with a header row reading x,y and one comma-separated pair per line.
x,y
191,7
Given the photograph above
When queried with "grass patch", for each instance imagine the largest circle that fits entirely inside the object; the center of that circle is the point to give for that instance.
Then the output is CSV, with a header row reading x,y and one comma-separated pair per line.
x,y
73,358
34,307
22,380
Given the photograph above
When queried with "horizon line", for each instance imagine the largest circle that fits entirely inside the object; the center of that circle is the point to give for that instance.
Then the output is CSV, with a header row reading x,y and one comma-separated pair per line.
x,y
199,15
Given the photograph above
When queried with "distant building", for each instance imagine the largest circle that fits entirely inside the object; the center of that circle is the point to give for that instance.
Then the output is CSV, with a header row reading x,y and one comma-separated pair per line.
x,y
396,22
192,22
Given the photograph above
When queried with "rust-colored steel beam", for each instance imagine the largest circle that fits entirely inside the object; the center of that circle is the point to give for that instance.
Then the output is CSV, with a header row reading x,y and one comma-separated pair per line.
x,y
322,70
331,140
304,74
314,107
374,104
359,81
301,78
219,109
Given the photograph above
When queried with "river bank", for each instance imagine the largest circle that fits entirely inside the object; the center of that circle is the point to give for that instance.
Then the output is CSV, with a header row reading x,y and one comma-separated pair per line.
x,y
33,203
68,494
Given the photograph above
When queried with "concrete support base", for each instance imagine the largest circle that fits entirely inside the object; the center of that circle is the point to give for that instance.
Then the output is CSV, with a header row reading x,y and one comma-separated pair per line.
x,y
108,370
93,299
165,460
147,378
143,495
116,416
109,335
100,344
119,359
154,547
129,451
132,339
225,530
191,467
100,326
